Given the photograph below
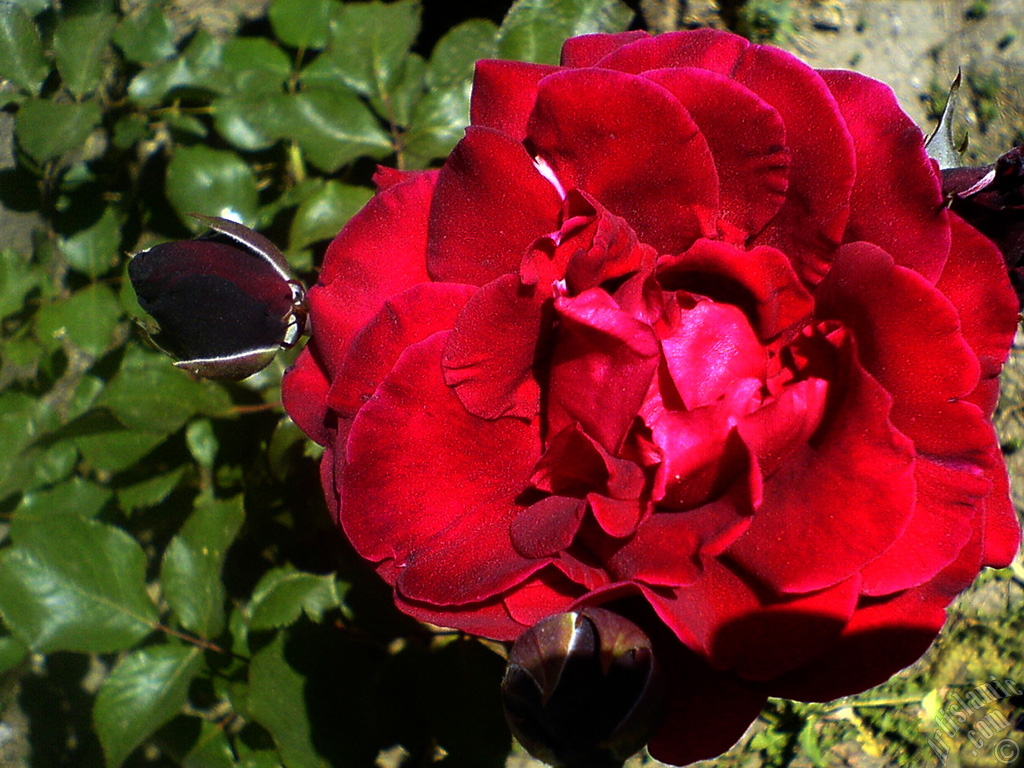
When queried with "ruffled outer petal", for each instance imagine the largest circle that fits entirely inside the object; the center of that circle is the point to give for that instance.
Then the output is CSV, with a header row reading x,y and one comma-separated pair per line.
x,y
597,128
504,93
747,140
432,488
491,203
304,394
811,222
853,487
588,50
897,198
379,253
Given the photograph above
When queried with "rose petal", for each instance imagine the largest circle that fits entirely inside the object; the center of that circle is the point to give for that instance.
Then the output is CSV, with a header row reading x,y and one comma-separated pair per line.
x,y
491,203
433,488
975,282
504,93
545,593
596,128
903,325
897,199
784,423
488,360
747,140
603,363
379,253
1001,536
760,280
304,395
405,319
547,526
488,618
587,50
860,469
811,222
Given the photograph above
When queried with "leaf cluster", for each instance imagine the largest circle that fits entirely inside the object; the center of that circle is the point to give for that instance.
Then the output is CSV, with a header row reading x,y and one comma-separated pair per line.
x,y
172,590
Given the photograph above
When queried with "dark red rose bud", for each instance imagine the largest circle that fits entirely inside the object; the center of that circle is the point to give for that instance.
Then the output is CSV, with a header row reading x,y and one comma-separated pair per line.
x,y
582,690
991,198
225,303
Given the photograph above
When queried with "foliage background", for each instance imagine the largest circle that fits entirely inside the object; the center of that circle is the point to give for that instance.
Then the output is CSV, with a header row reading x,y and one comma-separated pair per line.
x,y
172,592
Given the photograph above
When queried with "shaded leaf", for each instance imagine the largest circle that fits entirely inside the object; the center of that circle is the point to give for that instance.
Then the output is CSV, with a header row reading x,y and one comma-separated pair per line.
x,y
198,67
322,213
534,30
74,584
212,749
192,564
284,594
17,278
22,60
255,65
12,653
80,43
303,24
143,692
75,497
149,492
87,319
48,129
94,250
145,36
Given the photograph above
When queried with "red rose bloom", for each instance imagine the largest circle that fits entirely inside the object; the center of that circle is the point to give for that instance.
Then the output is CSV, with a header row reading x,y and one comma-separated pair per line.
x,y
681,320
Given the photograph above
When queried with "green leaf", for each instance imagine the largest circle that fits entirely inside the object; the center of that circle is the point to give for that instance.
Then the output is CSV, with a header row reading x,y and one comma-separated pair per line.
x,y
369,41
149,492
212,749
192,564
22,60
254,65
148,393
302,24
284,594
276,701
145,36
77,497
438,123
95,250
457,52
332,127
116,450
940,145
198,67
243,121
213,182
322,214
87,319
534,30
406,91
74,584
202,442
80,43
143,692
48,129
17,278
12,653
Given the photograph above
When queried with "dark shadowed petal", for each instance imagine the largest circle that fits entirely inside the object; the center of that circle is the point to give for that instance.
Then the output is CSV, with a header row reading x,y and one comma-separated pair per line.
x,y
601,369
432,487
405,319
504,93
488,360
547,526
491,203
747,140
630,144
380,252
853,488
897,198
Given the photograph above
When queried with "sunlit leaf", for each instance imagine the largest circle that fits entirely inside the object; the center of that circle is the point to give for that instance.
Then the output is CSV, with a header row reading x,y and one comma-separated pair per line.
x,y
197,67
143,692
457,52
87,319
534,30
323,213
74,584
284,594
145,36
17,278
302,24
438,123
193,561
77,497
22,60
94,250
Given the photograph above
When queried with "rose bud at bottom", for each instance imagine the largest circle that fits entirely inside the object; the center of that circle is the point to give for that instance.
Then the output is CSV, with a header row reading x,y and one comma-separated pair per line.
x,y
225,303
582,689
